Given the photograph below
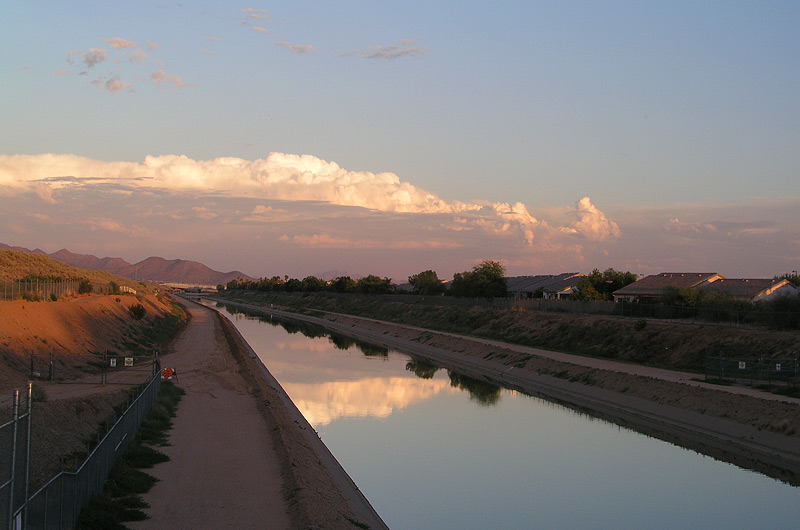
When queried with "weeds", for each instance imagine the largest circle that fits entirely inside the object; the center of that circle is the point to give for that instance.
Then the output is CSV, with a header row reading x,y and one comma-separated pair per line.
x,y
120,500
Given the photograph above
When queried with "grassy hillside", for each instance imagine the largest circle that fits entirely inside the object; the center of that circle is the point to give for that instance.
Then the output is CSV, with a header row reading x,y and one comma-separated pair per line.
x,y
16,265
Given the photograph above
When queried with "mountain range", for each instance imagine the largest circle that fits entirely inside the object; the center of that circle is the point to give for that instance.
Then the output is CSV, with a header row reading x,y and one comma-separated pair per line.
x,y
154,268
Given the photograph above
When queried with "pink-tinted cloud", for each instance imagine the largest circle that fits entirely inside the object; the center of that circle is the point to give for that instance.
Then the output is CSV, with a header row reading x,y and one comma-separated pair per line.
x,y
91,58
120,43
592,223
256,14
160,77
137,57
296,48
115,84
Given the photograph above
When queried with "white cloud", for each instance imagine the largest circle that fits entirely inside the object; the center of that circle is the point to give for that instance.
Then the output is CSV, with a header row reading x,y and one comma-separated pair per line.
x,y
289,177
259,29
592,223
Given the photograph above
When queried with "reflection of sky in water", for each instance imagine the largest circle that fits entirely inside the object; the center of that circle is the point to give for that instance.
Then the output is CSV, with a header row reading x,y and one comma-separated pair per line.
x,y
428,456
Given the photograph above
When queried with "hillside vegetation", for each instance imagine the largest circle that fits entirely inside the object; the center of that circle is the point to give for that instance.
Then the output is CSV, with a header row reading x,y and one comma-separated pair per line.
x,y
667,344
15,266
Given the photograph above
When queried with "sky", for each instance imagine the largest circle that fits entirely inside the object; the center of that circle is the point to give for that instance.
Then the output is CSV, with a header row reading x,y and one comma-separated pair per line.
x,y
389,138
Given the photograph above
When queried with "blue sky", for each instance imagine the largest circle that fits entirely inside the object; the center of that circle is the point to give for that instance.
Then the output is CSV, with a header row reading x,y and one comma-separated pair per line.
x,y
679,121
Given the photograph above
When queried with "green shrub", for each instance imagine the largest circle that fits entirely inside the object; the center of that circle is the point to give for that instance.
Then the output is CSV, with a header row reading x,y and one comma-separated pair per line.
x,y
137,311
30,296
85,287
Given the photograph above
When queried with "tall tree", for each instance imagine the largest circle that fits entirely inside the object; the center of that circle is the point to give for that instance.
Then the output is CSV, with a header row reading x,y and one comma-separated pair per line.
x,y
426,283
486,280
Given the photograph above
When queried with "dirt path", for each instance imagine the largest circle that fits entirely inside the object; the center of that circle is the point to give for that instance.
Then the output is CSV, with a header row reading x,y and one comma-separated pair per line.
x,y
224,471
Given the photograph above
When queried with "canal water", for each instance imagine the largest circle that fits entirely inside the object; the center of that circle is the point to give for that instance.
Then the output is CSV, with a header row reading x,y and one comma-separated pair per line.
x,y
432,449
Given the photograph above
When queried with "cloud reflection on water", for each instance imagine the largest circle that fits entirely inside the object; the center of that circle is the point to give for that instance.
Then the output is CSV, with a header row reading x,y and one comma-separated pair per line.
x,y
377,397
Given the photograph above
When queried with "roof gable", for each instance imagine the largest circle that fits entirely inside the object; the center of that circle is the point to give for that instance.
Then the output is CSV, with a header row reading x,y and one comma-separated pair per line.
x,y
747,288
655,284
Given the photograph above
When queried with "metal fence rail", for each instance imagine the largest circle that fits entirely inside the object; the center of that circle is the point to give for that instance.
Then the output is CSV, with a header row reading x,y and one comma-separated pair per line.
x,y
57,504
44,290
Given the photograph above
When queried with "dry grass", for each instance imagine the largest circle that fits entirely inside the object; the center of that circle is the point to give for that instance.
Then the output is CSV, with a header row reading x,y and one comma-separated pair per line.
x,y
15,265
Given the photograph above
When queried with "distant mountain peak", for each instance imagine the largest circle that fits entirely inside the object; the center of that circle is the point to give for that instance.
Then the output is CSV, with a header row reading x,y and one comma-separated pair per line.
x,y
154,268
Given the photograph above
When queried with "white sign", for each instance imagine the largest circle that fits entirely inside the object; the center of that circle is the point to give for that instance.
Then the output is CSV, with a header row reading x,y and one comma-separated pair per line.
x,y
128,361
742,365
778,367
112,363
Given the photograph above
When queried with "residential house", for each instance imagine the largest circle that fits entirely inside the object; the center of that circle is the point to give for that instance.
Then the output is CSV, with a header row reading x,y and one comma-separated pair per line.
x,y
651,287
753,289
547,286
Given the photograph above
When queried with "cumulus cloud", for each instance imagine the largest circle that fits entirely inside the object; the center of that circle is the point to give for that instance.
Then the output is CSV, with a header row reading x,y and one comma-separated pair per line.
x,y
296,48
406,48
593,224
290,177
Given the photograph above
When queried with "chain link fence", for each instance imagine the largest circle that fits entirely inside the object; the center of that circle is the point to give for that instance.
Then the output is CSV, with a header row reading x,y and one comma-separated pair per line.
x,y
57,504
36,290
754,372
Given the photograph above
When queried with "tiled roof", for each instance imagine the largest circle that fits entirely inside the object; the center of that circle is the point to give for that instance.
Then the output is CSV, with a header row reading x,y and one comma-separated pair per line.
x,y
744,287
545,282
654,285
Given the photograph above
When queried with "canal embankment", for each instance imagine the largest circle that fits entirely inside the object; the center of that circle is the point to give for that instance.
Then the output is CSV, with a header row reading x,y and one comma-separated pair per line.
x,y
754,430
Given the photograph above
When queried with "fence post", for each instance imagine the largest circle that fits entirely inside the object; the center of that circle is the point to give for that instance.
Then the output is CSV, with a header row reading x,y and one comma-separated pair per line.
x,y
12,485
28,453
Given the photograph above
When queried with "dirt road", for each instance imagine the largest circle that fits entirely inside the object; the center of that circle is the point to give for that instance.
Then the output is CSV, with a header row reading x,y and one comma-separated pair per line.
x,y
224,471
242,455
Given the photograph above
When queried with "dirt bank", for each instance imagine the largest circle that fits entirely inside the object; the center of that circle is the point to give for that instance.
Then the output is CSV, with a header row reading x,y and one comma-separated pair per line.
x,y
72,332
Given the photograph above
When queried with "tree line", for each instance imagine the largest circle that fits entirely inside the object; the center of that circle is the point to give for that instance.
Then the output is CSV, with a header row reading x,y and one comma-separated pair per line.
x,y
486,280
